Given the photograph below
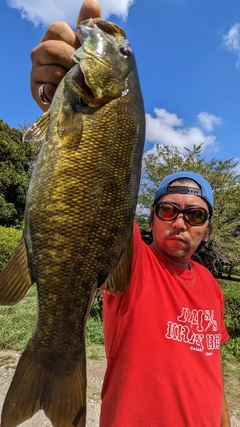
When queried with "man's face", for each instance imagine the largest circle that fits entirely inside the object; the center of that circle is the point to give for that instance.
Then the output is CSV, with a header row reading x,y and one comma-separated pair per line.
x,y
177,240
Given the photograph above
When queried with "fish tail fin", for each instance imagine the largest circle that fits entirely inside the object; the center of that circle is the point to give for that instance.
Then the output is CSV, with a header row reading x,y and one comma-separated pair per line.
x,y
57,387
15,279
23,397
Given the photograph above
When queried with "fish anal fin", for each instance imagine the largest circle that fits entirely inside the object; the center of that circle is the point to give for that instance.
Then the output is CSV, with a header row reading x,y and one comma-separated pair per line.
x,y
15,279
119,279
57,388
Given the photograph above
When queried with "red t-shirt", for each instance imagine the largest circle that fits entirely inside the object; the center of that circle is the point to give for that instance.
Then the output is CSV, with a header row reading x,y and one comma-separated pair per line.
x,y
162,343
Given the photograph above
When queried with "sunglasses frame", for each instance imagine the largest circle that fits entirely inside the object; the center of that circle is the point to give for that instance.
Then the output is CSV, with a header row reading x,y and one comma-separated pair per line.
x,y
206,217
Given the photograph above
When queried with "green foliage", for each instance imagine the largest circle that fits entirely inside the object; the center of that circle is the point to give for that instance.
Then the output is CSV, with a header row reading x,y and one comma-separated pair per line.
x,y
143,224
15,160
224,242
232,309
232,319
232,347
146,235
97,307
94,332
18,321
9,239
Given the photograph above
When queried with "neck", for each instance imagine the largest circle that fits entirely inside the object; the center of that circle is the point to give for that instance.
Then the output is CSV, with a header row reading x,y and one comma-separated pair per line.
x,y
183,262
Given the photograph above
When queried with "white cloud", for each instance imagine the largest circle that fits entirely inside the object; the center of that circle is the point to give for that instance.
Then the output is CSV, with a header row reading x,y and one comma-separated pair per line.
x,y
207,121
46,11
231,41
169,119
168,129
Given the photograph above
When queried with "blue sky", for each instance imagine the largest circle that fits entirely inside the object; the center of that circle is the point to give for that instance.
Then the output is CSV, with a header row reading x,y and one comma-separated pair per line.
x,y
188,57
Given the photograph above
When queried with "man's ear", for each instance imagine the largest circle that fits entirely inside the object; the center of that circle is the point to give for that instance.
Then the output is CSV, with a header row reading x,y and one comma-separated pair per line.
x,y
150,222
208,231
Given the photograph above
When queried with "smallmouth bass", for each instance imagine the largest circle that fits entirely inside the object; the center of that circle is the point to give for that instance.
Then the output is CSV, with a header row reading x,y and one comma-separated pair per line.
x,y
79,216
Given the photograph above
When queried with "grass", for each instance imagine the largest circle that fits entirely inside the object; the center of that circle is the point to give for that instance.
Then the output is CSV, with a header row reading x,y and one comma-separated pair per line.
x,y
17,324
233,276
96,352
231,379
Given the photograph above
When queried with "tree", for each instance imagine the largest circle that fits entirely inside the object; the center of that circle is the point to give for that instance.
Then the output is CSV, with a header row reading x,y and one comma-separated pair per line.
x,y
223,251
15,160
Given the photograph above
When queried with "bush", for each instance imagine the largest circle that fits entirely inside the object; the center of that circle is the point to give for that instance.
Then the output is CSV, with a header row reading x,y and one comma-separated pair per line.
x,y
232,319
232,312
97,307
232,347
9,239
94,332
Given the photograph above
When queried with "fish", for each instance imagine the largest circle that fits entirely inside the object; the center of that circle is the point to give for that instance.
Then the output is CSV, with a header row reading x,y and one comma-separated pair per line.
x,y
78,226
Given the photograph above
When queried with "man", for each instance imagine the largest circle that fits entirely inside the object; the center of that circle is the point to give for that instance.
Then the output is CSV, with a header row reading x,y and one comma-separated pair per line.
x,y
163,334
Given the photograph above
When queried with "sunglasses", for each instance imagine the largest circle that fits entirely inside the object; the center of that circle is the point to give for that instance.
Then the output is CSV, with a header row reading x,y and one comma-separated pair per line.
x,y
193,215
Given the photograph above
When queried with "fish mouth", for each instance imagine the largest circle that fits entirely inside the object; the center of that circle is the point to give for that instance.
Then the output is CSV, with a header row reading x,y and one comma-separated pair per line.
x,y
85,92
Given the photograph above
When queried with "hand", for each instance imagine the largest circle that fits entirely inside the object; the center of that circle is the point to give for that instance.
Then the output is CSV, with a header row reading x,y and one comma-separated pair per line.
x,y
51,59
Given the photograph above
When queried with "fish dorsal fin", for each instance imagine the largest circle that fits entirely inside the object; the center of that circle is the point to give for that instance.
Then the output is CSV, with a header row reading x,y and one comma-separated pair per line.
x,y
15,278
38,129
119,279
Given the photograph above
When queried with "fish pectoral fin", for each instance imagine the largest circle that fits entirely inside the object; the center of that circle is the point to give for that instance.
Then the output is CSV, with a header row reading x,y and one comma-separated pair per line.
x,y
15,279
71,126
38,129
54,385
119,279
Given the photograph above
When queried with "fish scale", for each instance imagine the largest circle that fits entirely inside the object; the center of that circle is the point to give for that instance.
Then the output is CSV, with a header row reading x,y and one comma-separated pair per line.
x,y
79,215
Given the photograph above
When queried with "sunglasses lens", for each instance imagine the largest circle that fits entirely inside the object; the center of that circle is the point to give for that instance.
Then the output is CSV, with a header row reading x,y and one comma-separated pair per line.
x,y
195,216
166,212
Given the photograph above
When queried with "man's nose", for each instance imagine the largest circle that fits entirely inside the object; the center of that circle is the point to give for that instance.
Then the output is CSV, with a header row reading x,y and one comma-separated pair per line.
x,y
179,222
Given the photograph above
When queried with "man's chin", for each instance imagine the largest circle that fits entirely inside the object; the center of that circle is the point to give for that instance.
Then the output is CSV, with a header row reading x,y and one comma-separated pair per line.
x,y
177,254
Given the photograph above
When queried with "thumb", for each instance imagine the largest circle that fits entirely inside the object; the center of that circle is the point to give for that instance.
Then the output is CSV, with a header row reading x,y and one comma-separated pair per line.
x,y
89,9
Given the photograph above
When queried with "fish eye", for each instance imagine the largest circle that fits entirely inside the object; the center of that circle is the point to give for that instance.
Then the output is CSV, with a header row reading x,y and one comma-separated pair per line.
x,y
125,51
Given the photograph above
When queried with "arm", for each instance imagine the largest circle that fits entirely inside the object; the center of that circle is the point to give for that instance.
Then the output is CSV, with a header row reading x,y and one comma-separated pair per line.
x,y
225,420
51,59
